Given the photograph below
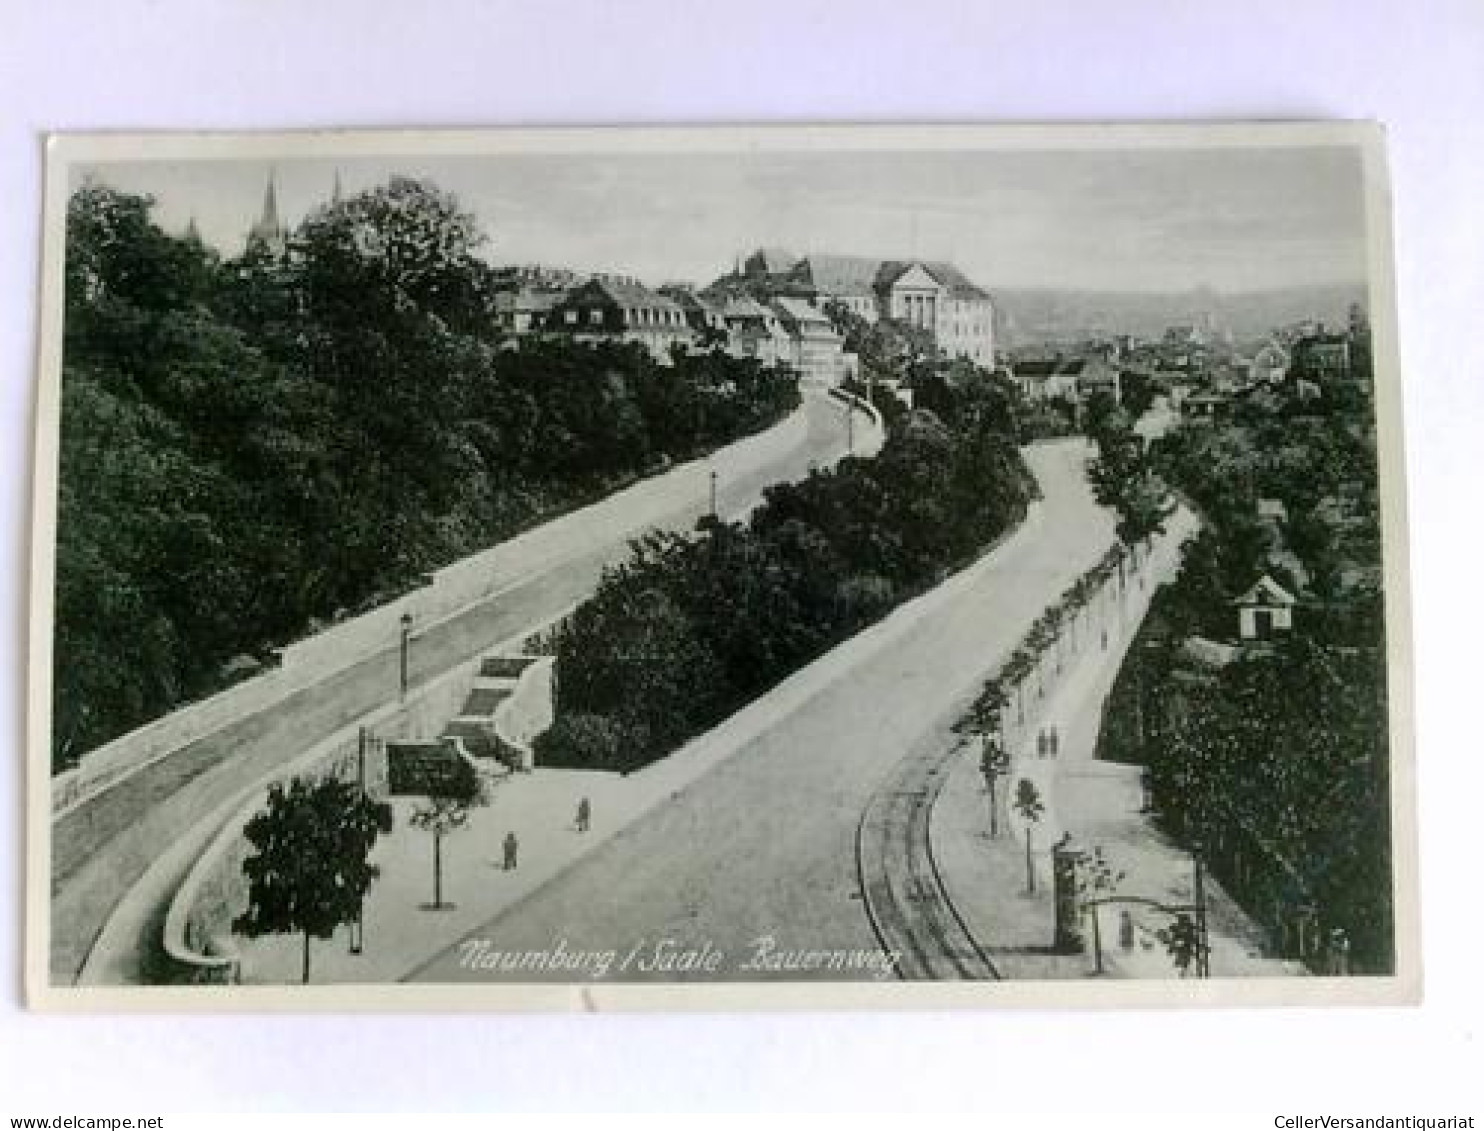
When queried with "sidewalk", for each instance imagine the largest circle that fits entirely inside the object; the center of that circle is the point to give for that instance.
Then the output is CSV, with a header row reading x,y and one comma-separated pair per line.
x,y
1098,803
106,916
401,928
403,935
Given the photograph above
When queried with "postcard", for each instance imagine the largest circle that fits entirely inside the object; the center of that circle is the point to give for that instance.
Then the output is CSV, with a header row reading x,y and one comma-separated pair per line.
x,y
739,568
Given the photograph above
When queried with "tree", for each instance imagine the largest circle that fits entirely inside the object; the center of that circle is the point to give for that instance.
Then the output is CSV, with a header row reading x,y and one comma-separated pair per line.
x,y
994,763
447,812
1029,806
312,869
406,247
354,396
696,624
985,720
888,349
1182,941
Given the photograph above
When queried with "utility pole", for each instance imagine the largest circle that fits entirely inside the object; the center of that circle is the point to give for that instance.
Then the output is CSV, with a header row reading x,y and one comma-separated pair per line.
x,y
358,924
406,637
1203,942
713,495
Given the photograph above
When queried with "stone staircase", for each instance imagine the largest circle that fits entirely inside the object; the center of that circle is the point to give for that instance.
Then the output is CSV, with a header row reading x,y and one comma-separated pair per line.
x,y
474,725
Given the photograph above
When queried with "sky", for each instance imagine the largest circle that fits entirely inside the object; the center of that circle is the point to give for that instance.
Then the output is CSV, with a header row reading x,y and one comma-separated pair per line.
x,y
1120,220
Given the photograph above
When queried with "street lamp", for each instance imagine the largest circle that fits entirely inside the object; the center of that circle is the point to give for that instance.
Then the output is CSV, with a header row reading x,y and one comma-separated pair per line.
x,y
406,637
713,494
358,924
1203,942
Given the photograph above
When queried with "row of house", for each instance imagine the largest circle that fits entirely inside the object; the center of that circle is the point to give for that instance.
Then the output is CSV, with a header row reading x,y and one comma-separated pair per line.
x,y
770,307
783,331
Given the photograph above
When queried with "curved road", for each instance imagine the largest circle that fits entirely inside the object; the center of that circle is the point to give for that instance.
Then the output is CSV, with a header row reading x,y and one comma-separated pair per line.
x,y
101,851
757,860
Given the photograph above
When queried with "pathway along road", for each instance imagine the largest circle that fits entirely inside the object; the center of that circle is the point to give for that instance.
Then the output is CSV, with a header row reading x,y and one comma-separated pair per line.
x,y
906,896
88,885
757,860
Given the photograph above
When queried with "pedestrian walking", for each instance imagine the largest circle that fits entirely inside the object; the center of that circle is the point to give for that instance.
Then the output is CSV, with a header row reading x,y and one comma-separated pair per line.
x,y
512,851
584,815
1055,744
1125,930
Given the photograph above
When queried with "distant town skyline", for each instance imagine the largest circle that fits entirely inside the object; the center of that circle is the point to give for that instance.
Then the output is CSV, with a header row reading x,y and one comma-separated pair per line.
x,y
1160,221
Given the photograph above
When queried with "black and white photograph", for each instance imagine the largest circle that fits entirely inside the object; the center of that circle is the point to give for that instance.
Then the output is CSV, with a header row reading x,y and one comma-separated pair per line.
x,y
721,566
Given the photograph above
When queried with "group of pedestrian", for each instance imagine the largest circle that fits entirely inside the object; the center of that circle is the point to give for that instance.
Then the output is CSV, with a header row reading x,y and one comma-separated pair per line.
x,y
1048,742
511,845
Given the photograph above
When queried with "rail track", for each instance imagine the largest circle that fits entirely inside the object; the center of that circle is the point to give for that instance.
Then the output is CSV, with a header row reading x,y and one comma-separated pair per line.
x,y
908,905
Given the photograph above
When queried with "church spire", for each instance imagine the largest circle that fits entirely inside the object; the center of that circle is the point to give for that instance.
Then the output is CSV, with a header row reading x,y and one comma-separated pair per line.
x,y
269,220
269,231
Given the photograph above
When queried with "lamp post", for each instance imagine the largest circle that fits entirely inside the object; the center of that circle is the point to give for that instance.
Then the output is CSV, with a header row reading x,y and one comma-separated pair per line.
x,y
713,494
358,924
406,637
1203,944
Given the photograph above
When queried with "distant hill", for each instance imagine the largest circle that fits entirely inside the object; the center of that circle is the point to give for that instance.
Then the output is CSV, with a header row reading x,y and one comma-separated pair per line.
x,y
1035,315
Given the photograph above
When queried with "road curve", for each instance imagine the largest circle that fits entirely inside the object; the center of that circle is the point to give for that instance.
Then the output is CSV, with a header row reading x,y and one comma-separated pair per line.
x,y
89,882
763,849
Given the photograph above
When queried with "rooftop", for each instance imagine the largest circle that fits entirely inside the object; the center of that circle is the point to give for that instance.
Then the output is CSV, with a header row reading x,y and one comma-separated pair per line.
x,y
802,311
628,292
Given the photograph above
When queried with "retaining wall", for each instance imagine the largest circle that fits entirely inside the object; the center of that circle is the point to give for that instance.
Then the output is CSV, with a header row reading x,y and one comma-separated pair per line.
x,y
454,587
526,713
875,437
197,943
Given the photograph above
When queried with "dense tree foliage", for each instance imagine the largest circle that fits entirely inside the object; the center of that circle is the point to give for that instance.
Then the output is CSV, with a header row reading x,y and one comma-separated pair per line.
x,y
1123,476
695,625
887,348
1277,763
1316,458
256,446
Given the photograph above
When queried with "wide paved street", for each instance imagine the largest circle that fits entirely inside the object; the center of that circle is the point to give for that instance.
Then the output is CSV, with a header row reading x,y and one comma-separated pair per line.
x,y
763,846
88,886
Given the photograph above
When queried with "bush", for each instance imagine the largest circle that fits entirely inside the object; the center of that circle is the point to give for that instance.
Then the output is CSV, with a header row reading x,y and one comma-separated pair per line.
x,y
696,625
595,742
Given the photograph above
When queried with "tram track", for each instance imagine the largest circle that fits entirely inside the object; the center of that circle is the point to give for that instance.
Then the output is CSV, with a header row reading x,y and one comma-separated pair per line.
x,y
906,900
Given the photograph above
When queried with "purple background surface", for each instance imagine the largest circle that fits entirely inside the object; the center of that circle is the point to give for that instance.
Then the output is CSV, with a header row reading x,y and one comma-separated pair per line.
x,y
108,64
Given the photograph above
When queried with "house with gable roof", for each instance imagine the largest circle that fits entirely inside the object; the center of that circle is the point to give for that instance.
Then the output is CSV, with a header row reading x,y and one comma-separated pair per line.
x,y
620,308
755,330
1264,610
817,350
